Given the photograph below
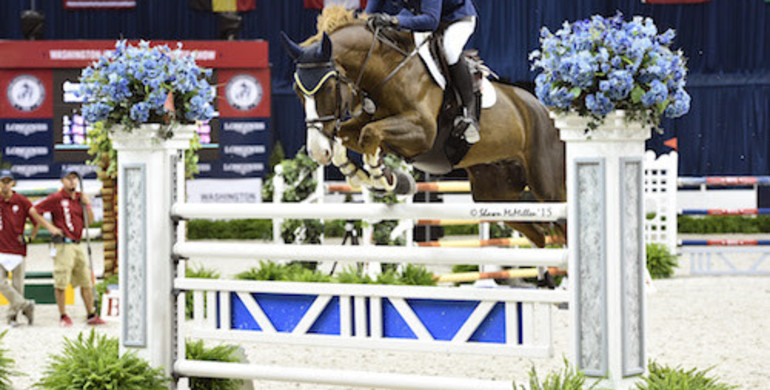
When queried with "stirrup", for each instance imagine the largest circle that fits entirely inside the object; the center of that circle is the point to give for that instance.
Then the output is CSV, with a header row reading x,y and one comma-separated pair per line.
x,y
471,131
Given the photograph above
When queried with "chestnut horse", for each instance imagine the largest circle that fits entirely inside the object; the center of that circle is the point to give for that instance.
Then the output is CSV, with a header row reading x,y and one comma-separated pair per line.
x,y
369,93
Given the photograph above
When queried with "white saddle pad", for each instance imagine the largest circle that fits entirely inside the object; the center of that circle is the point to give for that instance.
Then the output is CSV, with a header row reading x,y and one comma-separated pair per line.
x,y
488,92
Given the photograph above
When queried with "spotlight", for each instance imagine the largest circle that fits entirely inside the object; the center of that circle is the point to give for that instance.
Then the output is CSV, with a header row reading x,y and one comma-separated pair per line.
x,y
32,24
229,25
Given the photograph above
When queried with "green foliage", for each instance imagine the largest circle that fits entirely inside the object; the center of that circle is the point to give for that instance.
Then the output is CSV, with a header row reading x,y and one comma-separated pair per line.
x,y
302,274
267,270
6,364
303,231
464,268
246,229
201,273
660,262
195,350
297,175
93,362
461,230
389,277
417,275
723,224
101,289
381,233
667,378
568,378
350,275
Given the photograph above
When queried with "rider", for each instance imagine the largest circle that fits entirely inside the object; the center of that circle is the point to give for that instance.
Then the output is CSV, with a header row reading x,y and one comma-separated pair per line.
x,y
458,19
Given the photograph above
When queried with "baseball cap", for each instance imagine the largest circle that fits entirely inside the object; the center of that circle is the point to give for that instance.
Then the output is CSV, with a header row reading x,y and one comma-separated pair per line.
x,y
6,173
66,172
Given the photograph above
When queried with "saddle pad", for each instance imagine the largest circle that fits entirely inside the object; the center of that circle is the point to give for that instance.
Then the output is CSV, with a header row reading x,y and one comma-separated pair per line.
x,y
488,92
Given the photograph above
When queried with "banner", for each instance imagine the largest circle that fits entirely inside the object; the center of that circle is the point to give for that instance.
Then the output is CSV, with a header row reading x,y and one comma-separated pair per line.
x,y
223,5
99,4
674,1
349,4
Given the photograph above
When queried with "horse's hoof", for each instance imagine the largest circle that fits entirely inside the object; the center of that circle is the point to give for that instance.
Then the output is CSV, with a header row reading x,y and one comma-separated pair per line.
x,y
405,184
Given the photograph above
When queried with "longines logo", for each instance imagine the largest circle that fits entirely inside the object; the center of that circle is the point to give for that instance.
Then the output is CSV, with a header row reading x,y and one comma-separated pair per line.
x,y
26,93
81,169
244,92
26,129
26,152
244,128
29,170
204,167
244,169
244,150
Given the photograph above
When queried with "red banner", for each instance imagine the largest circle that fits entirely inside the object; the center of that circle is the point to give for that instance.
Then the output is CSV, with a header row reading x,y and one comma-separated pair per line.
x,y
79,54
99,4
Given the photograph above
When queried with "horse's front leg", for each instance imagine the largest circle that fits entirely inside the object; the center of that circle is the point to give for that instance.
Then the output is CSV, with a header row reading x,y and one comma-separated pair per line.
x,y
403,134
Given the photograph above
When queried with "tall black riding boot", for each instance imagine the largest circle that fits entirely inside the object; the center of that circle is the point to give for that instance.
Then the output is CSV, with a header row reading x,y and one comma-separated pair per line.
x,y
463,84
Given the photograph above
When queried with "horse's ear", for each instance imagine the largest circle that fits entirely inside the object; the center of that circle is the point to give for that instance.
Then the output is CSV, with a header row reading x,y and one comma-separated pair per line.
x,y
326,47
292,48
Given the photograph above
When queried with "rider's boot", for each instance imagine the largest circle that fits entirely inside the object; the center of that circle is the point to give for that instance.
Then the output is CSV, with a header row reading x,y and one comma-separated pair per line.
x,y
463,83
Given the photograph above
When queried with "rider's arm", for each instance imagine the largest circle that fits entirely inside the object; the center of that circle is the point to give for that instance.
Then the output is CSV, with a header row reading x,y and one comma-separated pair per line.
x,y
427,20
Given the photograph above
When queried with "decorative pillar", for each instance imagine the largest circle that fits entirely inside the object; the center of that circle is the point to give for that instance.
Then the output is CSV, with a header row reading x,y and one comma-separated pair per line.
x,y
606,246
148,174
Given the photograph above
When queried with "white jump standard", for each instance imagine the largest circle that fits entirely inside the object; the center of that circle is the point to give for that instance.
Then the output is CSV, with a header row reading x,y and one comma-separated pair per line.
x,y
606,256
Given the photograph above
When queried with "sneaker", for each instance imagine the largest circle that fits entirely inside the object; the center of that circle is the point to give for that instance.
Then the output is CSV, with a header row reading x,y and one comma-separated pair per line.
x,y
65,322
95,320
29,311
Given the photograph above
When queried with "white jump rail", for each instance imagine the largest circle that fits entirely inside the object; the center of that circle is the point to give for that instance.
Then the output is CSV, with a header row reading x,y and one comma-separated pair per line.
x,y
521,212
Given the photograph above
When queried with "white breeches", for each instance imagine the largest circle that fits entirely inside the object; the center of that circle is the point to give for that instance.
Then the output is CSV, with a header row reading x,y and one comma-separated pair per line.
x,y
455,38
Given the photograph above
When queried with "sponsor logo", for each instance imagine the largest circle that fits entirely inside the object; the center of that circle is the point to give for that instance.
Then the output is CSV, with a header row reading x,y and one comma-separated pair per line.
x,y
244,128
26,152
65,204
26,129
29,170
15,209
237,197
244,92
244,169
244,150
26,93
81,169
204,168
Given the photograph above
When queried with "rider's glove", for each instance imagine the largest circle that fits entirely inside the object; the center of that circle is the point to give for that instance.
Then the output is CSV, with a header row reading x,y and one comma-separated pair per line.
x,y
382,21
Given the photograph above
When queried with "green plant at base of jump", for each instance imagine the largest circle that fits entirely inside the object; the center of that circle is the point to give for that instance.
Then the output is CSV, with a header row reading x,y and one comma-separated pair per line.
x,y
416,275
351,275
199,273
267,270
389,277
246,229
708,224
195,350
101,289
93,362
667,378
6,367
660,261
569,378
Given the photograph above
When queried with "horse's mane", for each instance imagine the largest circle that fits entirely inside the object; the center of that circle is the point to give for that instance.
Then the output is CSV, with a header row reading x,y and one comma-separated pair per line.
x,y
337,17
334,18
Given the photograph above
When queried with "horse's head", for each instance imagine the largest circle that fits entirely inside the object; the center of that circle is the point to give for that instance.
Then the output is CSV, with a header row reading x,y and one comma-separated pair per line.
x,y
317,82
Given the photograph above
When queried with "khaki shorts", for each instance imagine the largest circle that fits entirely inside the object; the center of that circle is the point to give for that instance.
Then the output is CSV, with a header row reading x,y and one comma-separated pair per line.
x,y
70,267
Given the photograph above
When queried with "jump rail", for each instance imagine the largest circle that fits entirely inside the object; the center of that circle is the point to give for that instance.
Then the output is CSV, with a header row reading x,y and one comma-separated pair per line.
x,y
724,181
761,211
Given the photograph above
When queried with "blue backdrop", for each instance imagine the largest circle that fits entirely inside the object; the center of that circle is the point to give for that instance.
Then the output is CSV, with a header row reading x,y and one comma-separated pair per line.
x,y
727,43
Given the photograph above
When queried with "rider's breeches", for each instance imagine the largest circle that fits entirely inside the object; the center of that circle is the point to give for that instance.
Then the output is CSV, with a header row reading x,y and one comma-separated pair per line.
x,y
455,38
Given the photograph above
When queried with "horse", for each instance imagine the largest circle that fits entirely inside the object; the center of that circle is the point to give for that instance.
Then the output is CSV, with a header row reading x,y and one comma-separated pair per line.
x,y
363,90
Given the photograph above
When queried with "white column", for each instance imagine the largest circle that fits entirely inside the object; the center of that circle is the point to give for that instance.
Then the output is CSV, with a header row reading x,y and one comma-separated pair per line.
x,y
606,248
147,184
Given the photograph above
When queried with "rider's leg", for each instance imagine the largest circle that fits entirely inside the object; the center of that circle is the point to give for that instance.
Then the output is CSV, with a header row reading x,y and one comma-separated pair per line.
x,y
455,37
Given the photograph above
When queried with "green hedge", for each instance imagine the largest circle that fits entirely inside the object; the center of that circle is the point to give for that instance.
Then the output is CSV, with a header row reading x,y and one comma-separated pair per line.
x,y
724,224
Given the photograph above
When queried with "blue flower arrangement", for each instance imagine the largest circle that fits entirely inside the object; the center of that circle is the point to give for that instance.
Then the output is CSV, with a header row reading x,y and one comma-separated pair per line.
x,y
597,65
140,84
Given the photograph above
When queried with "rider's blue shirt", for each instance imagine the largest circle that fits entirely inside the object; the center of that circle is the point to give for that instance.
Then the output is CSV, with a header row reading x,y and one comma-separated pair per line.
x,y
423,15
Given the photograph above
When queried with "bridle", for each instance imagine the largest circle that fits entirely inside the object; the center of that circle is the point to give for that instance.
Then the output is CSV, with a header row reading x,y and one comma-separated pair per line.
x,y
368,106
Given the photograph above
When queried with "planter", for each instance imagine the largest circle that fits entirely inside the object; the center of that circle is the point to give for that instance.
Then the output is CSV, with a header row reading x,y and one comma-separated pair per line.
x,y
152,135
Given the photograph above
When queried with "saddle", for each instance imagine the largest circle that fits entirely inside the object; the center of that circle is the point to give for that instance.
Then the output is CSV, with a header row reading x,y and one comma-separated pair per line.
x,y
449,148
